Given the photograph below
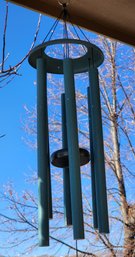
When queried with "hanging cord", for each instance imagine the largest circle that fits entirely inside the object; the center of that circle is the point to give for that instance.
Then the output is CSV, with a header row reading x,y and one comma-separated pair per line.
x,y
76,249
84,48
83,34
64,14
65,31
75,30
53,28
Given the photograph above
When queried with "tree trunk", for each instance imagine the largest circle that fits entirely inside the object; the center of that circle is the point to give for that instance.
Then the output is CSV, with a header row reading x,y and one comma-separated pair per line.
x,y
128,212
129,232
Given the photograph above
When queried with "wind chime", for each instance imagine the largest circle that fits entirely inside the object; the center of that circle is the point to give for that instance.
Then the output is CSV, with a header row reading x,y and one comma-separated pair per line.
x,y
70,157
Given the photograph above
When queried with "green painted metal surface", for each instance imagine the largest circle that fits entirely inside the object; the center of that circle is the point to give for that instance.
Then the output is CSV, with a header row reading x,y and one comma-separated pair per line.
x,y
73,151
99,162
54,65
43,154
66,178
49,183
93,177
91,59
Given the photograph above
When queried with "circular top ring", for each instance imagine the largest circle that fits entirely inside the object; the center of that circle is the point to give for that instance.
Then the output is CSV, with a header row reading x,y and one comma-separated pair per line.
x,y
92,58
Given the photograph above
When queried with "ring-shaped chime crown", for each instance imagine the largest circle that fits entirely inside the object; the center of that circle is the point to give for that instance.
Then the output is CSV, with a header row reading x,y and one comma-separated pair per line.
x,y
74,156
93,56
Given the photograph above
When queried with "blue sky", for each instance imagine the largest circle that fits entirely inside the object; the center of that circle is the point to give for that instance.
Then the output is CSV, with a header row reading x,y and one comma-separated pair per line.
x,y
16,158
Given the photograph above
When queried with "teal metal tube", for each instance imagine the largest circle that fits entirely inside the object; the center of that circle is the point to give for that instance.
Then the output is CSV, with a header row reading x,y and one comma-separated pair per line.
x,y
49,184
93,178
66,178
73,151
103,223
43,153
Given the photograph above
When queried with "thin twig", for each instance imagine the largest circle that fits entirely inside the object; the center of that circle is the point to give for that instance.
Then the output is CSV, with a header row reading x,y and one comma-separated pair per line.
x,y
4,37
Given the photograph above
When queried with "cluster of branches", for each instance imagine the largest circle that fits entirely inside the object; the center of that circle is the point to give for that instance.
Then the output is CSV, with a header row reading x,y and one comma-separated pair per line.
x,y
8,73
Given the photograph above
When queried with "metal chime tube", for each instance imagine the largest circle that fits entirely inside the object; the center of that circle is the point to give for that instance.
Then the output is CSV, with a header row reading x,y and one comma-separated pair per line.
x,y
43,153
93,180
66,178
49,183
99,163
73,151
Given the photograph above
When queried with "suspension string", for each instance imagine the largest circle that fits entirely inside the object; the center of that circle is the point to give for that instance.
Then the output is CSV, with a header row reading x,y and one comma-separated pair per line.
x,y
83,34
78,36
64,36
52,29
63,15
67,45
65,31
75,30
76,249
